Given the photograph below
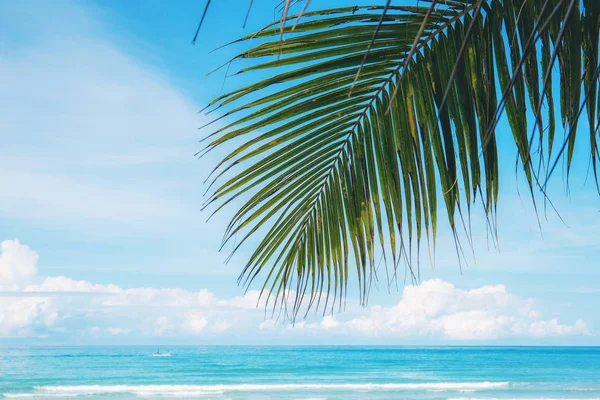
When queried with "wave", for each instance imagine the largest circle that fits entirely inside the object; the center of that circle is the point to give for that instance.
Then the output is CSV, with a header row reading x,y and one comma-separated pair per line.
x,y
311,398
522,398
199,390
29,395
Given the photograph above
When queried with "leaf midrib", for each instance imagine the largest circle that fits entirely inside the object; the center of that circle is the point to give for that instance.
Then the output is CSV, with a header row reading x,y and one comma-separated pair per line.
x,y
360,118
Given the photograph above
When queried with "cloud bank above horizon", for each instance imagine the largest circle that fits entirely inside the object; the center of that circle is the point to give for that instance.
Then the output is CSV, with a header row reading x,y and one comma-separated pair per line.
x,y
35,306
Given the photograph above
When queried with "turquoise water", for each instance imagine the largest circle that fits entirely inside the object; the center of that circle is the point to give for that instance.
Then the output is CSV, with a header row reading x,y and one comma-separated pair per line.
x,y
301,373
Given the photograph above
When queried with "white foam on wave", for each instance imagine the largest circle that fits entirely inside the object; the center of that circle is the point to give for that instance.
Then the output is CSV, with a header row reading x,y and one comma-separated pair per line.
x,y
522,398
29,395
311,398
200,390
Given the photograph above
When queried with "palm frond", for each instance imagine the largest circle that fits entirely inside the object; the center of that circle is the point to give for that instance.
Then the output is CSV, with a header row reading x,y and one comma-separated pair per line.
x,y
368,115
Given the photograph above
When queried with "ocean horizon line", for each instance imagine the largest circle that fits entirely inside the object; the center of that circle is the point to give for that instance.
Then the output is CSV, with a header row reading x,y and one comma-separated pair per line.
x,y
396,346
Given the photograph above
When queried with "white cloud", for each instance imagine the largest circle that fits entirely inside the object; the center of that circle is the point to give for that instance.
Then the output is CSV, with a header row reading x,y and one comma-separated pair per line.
x,y
552,327
329,322
221,326
56,284
195,322
82,135
117,331
439,309
42,196
205,298
433,310
251,299
20,315
17,265
161,325
267,325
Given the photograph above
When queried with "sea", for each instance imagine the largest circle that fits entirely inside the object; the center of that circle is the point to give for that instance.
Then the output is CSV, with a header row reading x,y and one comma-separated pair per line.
x,y
338,372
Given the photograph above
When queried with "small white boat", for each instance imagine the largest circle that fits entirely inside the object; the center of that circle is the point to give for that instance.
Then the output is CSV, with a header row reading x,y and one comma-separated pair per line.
x,y
159,354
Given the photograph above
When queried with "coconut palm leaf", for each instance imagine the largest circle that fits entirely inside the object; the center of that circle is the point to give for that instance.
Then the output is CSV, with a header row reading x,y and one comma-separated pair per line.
x,y
367,117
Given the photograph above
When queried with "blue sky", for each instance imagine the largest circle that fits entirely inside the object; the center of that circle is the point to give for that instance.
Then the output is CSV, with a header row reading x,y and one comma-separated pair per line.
x,y
102,236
